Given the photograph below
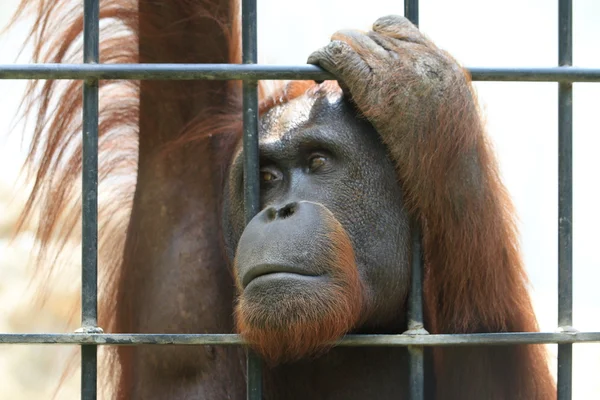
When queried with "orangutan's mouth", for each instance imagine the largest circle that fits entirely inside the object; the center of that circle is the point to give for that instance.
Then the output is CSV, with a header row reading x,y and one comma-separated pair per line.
x,y
274,271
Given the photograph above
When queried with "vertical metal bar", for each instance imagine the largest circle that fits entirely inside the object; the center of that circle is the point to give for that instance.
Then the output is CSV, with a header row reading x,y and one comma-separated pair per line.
x,y
89,256
250,115
251,164
565,199
416,289
416,383
411,11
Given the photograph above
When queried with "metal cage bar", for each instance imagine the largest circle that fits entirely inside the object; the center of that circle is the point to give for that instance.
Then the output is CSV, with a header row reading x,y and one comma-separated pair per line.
x,y
258,71
416,379
411,11
220,339
89,199
251,165
565,200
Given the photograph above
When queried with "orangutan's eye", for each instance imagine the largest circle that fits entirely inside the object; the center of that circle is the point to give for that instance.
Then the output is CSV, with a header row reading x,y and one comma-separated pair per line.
x,y
316,162
268,176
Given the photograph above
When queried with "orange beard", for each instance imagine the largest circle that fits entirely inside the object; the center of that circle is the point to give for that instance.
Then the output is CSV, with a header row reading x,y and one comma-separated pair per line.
x,y
296,325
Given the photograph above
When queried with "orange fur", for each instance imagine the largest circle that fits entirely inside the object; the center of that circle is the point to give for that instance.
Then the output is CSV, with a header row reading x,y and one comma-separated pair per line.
x,y
54,158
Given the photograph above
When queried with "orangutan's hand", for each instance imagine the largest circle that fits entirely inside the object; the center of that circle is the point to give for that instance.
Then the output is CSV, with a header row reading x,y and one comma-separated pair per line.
x,y
396,77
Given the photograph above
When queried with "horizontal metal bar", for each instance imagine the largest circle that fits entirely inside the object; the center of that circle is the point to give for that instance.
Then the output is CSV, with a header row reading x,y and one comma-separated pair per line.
x,y
349,340
257,71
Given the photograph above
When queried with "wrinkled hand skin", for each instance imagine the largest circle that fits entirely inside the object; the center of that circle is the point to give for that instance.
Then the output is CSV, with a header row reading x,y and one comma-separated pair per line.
x,y
415,95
